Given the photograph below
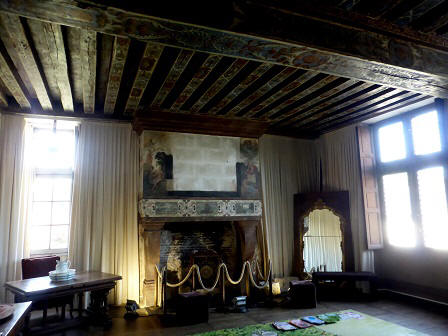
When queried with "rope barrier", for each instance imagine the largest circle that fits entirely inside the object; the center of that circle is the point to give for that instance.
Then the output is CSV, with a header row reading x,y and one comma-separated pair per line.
x,y
220,267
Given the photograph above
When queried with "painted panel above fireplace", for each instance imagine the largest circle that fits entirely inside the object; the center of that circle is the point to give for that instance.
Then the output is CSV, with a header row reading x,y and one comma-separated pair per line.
x,y
182,166
199,208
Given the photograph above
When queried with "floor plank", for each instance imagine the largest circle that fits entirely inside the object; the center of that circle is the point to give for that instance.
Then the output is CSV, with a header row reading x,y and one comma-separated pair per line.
x,y
432,321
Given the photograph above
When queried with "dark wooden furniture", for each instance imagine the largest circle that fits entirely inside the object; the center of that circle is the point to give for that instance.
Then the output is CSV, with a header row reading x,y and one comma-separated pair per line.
x,y
336,201
302,294
343,280
43,289
41,266
13,325
192,307
38,267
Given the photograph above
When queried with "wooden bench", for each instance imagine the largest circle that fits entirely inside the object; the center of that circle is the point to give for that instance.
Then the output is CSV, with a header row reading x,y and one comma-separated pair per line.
x,y
320,278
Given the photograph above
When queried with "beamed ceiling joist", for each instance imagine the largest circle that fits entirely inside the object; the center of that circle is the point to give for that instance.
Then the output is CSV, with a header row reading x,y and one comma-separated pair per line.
x,y
343,50
291,68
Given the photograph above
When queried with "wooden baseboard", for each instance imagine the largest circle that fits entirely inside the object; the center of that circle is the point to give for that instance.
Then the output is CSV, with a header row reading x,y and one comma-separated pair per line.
x,y
414,292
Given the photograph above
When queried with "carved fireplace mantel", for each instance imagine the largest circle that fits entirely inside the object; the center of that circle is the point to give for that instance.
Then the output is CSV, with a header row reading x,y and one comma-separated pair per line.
x,y
198,209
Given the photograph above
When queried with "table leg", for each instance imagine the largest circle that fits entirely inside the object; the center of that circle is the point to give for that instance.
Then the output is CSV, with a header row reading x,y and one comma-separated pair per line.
x,y
26,327
80,296
98,308
63,311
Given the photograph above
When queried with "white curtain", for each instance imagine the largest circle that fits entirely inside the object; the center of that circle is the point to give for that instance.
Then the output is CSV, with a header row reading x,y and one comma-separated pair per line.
x,y
15,180
103,234
340,166
288,166
322,242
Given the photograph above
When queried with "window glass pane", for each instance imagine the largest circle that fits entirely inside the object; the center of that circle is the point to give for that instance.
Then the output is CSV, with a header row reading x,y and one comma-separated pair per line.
x,y
52,153
66,125
42,188
62,189
53,150
391,141
66,149
431,187
61,213
59,237
41,213
399,224
426,134
40,238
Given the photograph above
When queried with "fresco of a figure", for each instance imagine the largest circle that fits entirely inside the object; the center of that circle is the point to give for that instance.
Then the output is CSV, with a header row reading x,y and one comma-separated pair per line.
x,y
247,168
165,154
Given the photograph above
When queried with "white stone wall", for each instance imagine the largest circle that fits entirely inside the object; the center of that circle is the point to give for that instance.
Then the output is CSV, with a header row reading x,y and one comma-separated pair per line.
x,y
201,162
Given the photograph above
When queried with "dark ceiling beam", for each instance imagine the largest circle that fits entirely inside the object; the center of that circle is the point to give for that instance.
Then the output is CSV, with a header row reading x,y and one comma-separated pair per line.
x,y
302,93
292,132
375,104
3,100
175,72
243,85
405,102
15,61
22,47
10,81
419,10
275,99
119,54
145,70
88,57
376,8
361,96
105,48
264,89
433,20
162,120
348,4
236,66
73,36
77,115
56,48
316,98
200,75
333,101
361,104
379,53
38,39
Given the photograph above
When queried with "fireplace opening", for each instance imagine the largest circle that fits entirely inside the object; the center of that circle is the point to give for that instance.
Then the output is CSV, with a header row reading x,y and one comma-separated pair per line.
x,y
207,244
177,245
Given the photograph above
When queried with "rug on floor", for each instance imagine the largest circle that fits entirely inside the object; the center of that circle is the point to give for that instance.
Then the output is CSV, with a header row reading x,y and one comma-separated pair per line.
x,y
365,325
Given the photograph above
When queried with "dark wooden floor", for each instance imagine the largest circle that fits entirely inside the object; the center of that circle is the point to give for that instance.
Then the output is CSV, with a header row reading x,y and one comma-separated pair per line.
x,y
424,318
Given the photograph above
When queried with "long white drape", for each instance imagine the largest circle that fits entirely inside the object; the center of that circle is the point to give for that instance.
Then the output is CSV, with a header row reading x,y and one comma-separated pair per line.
x,y
322,242
288,166
15,177
340,166
104,235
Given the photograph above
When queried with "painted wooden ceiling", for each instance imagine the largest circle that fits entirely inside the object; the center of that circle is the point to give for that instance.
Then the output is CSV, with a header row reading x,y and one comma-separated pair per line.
x,y
55,65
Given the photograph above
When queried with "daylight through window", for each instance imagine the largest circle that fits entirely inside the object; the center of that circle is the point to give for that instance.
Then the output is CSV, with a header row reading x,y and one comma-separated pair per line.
x,y
52,154
412,169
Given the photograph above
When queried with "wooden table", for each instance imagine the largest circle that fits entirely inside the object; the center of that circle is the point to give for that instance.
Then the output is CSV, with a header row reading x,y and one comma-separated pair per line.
x,y
43,289
11,326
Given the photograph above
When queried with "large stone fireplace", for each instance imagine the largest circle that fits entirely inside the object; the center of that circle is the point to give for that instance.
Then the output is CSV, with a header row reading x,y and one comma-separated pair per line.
x,y
179,242
200,204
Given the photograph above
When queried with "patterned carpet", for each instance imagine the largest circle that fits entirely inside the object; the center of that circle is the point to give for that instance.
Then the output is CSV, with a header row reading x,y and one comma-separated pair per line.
x,y
365,325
